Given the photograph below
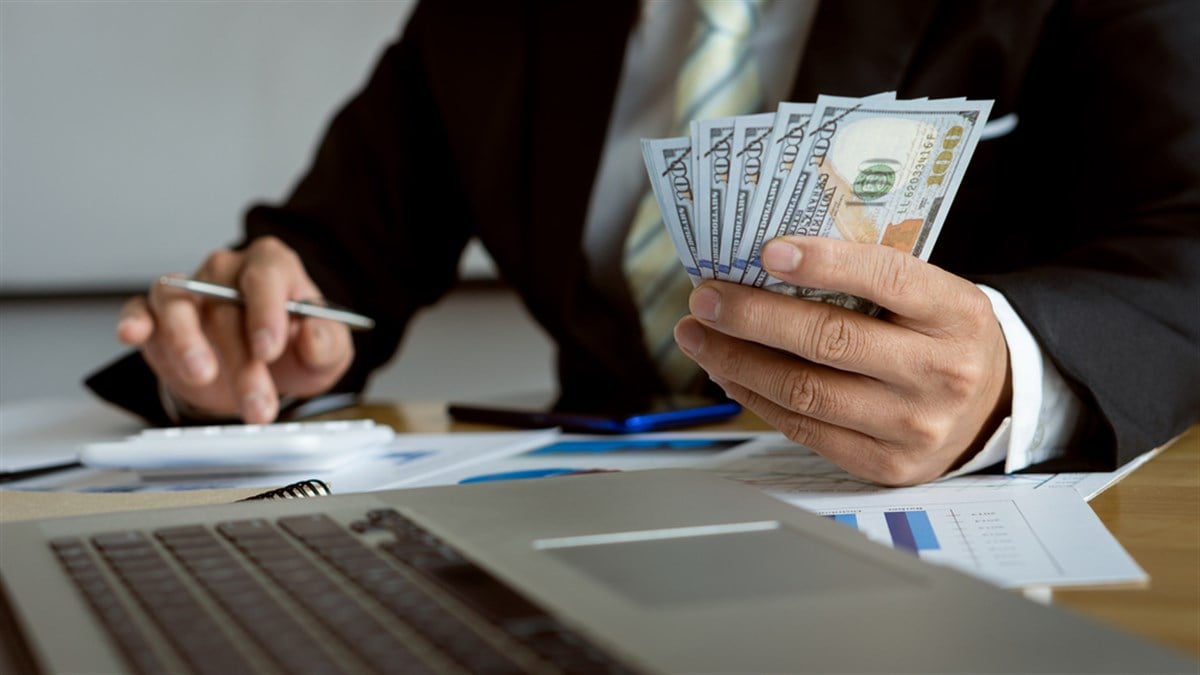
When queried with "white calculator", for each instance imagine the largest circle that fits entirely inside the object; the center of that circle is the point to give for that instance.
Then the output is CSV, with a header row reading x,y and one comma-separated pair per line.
x,y
239,448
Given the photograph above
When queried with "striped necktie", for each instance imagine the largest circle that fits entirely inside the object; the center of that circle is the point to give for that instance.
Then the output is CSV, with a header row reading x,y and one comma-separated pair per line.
x,y
719,79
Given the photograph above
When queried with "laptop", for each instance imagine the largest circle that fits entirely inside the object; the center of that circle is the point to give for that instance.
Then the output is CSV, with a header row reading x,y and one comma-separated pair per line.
x,y
664,571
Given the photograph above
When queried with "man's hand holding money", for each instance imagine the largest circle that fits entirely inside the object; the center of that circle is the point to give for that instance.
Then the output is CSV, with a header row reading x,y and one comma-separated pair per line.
x,y
900,398
840,200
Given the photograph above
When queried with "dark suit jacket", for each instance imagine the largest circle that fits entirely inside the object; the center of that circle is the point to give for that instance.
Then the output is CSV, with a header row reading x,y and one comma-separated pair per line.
x,y
489,120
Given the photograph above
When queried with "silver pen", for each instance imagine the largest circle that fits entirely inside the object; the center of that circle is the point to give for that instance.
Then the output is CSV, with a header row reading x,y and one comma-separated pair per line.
x,y
210,290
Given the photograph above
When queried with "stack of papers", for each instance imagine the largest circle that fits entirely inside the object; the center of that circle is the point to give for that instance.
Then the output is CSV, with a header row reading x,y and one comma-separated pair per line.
x,y
1013,530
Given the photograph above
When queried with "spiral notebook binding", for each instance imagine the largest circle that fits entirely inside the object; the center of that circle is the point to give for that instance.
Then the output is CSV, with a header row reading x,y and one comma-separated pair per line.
x,y
304,488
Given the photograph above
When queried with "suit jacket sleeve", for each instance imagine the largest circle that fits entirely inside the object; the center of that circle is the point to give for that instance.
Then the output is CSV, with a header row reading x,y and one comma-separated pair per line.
x,y
1087,215
379,219
1111,119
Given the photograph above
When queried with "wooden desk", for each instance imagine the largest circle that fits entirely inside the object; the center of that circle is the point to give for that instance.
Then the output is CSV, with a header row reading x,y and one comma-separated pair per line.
x,y
1154,513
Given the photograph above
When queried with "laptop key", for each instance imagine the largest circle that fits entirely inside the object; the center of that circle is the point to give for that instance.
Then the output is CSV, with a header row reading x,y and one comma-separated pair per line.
x,y
492,599
194,634
404,599
308,585
254,609
114,616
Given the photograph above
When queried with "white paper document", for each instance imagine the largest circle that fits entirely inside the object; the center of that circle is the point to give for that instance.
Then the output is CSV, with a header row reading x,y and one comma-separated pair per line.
x,y
774,463
403,461
1013,539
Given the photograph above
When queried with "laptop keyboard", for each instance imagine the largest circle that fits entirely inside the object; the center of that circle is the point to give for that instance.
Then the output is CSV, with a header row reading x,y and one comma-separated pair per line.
x,y
305,594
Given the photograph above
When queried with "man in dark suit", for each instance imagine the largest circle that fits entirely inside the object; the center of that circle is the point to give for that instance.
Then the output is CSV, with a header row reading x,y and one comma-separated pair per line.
x,y
491,122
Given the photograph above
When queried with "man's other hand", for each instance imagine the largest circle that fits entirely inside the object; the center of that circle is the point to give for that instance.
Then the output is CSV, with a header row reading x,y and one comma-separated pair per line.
x,y
231,360
899,399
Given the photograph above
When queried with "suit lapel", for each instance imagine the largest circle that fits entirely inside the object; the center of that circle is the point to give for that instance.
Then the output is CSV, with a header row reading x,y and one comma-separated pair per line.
x,y
576,63
886,37
574,67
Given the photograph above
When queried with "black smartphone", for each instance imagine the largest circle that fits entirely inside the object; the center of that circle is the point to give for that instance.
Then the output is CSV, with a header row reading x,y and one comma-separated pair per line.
x,y
542,410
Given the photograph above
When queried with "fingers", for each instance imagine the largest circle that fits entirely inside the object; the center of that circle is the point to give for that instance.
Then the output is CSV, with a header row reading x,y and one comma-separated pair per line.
x,y
897,402
895,280
899,399
811,390
322,351
270,275
135,324
253,389
306,356
816,331
180,343
197,347
857,453
229,359
324,345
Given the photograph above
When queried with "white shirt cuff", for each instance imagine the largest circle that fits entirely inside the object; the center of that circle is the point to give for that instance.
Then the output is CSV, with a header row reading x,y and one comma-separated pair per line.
x,y
1045,411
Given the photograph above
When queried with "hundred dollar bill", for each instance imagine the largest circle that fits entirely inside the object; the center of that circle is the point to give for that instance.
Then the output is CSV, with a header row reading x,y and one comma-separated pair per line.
x,y
797,180
750,136
885,173
669,162
713,149
787,135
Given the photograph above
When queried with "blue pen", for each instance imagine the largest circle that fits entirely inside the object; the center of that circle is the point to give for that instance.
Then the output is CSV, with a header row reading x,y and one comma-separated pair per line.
x,y
528,473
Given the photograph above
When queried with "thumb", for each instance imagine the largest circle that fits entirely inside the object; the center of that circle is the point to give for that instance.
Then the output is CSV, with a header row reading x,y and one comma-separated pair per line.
x,y
781,258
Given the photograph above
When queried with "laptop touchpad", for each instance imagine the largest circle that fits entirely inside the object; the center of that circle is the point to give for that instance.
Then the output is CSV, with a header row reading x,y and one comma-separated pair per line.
x,y
720,562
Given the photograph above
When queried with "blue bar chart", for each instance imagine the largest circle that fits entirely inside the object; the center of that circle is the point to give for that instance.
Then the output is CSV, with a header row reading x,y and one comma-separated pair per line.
x,y
991,538
845,519
911,530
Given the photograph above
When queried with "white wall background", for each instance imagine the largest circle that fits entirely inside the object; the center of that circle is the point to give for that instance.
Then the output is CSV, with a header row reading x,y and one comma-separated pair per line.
x,y
133,135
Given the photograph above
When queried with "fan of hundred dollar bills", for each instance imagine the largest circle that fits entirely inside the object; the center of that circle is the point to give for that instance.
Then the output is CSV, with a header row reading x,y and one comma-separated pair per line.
x,y
872,169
